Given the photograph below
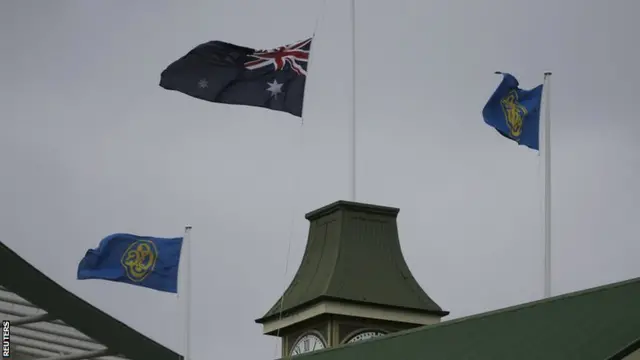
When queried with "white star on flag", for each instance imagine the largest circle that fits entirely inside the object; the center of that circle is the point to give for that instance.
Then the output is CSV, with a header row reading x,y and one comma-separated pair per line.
x,y
274,88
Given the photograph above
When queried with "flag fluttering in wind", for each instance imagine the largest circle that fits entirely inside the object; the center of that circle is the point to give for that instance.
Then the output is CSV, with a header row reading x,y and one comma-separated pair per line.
x,y
514,112
138,260
221,72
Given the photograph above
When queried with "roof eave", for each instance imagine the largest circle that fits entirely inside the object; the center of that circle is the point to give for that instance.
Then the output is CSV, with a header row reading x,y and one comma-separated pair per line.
x,y
285,312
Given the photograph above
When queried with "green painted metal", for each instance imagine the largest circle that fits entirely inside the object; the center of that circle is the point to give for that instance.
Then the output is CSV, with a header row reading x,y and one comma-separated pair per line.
x,y
596,324
353,255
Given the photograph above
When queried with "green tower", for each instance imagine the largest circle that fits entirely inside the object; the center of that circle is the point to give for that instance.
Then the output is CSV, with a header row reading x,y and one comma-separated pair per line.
x,y
353,283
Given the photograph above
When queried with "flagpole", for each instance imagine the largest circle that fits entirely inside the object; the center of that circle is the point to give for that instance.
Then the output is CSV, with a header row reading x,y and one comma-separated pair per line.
x,y
187,292
547,184
352,165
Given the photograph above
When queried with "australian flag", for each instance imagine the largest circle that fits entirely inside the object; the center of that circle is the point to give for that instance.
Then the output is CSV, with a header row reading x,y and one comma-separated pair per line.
x,y
221,72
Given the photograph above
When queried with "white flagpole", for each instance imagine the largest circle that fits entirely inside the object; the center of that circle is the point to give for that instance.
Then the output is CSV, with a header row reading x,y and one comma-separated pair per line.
x,y
186,244
352,167
547,184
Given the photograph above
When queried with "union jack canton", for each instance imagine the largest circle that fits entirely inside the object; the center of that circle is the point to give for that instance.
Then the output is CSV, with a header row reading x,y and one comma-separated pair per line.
x,y
295,55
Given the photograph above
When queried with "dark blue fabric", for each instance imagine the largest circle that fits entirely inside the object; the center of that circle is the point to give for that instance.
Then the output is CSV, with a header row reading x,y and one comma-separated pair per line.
x,y
221,72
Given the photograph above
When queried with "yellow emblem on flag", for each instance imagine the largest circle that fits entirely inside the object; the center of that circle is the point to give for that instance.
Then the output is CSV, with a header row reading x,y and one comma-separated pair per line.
x,y
139,259
514,113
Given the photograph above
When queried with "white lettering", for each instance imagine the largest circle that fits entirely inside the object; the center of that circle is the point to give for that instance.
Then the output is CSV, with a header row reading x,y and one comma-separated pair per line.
x,y
6,338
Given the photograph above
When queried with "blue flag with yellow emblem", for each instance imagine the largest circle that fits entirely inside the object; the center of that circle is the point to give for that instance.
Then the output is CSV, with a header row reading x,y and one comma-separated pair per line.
x,y
138,260
514,112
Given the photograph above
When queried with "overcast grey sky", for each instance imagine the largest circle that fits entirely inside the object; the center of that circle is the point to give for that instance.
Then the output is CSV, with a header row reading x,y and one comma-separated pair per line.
x,y
91,145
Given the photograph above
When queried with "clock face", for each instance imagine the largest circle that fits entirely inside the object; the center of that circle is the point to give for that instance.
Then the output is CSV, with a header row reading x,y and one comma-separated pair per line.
x,y
307,343
365,336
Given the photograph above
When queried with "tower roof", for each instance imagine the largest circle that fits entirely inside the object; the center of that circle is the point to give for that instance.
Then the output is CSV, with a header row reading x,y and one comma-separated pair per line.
x,y
353,255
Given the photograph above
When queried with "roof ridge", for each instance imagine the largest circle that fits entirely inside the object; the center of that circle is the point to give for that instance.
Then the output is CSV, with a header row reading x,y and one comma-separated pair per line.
x,y
493,312
524,305
627,350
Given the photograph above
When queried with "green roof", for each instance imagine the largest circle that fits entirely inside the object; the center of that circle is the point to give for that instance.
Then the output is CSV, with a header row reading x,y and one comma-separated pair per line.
x,y
597,324
348,243
29,283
